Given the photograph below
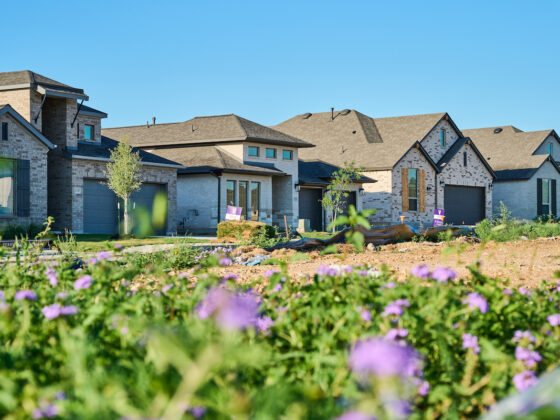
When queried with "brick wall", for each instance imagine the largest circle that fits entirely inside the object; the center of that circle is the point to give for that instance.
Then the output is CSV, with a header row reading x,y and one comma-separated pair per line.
x,y
378,196
81,121
19,99
23,145
431,142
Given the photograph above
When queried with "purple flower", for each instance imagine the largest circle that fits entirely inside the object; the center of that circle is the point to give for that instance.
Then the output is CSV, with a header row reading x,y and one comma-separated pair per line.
x,y
185,274
83,282
281,309
393,309
471,342
264,323
270,273
477,301
47,411
231,310
424,388
388,285
362,272
325,270
422,271
60,395
167,287
61,295
52,276
525,380
399,408
225,261
354,415
68,310
395,333
443,274
25,295
277,288
523,290
51,311
382,358
523,335
365,315
117,246
402,302
507,291
91,261
227,276
348,269
554,320
198,412
103,255
530,357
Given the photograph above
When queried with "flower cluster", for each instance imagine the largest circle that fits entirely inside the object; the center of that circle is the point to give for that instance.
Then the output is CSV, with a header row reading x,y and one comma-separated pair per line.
x,y
525,353
476,301
440,274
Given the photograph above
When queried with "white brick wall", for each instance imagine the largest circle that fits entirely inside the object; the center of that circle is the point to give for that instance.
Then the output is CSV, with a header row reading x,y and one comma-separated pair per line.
x,y
543,148
378,196
432,141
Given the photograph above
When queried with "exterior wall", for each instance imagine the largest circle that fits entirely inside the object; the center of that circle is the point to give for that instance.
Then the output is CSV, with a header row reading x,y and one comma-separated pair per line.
x,y
474,174
520,197
265,211
19,99
432,141
81,121
327,218
197,203
236,150
543,149
23,145
378,196
74,203
413,160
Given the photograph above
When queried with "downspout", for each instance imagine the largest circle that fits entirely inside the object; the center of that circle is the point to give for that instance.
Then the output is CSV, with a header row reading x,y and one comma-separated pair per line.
x,y
219,178
436,187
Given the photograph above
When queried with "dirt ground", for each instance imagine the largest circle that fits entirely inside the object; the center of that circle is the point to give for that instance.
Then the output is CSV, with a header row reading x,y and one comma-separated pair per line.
x,y
526,262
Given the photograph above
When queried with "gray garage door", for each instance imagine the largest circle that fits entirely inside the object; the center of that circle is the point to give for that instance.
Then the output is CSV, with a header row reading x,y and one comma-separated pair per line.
x,y
310,207
463,205
143,202
100,208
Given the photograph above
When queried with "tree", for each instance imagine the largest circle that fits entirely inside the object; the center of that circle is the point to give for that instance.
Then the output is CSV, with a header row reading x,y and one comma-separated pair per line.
x,y
123,173
339,189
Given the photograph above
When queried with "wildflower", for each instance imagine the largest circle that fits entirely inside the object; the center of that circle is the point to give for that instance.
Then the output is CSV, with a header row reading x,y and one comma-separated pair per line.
x,y
388,285
325,270
281,309
60,395
471,342
530,357
68,310
83,282
167,287
382,358
422,271
477,301
520,336
354,415
365,315
424,388
227,276
395,333
117,246
25,295
92,261
52,276
523,290
393,309
402,302
55,310
225,261
231,310
270,273
362,272
264,323
47,411
103,255
554,320
198,412
277,288
185,274
443,274
525,380
507,291
399,408
61,295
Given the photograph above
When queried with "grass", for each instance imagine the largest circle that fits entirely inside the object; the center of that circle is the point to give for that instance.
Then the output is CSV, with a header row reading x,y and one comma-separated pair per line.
x,y
316,235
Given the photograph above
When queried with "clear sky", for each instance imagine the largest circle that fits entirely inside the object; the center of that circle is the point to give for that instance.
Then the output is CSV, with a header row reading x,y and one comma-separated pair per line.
x,y
487,63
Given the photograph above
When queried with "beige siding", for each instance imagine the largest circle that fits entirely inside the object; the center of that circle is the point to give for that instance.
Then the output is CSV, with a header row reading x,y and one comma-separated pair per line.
x,y
378,196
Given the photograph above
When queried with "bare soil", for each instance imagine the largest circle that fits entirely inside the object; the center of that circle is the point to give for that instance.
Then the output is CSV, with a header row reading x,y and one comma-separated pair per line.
x,y
528,262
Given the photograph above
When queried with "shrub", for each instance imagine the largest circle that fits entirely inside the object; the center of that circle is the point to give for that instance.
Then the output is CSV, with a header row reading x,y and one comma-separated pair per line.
x,y
17,231
244,231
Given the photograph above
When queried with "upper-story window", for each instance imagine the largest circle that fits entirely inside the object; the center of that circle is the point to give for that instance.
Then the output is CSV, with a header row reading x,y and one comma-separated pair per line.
x,y
253,151
412,190
287,154
550,148
442,139
5,131
271,153
88,132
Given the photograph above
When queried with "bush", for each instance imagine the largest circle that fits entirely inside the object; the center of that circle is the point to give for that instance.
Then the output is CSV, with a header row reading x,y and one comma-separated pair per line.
x,y
18,231
246,231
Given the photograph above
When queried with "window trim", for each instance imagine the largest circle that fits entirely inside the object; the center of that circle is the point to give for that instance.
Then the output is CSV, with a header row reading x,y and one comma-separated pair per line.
x,y
549,202
234,192
4,134
416,198
442,137
257,148
550,149
291,152
92,138
266,152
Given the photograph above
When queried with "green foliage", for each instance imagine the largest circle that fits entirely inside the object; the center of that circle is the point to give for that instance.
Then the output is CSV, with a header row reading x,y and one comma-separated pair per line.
x,y
246,231
11,231
353,220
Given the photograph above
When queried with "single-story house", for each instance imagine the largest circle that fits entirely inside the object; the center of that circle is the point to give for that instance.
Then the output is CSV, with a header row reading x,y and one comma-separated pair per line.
x,y
526,167
76,192
420,162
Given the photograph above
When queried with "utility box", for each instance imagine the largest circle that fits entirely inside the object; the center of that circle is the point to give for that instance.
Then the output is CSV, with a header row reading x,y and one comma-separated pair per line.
x,y
304,225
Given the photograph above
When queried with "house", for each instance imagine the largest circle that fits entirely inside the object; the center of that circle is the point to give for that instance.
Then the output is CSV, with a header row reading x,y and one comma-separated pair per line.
x,y
421,163
76,193
229,161
526,168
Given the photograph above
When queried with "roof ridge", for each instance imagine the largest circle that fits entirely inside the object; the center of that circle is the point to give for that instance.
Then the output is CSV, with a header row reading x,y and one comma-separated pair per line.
x,y
143,125
238,120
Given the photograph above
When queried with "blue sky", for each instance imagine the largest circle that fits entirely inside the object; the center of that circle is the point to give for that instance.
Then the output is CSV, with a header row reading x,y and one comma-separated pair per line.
x,y
486,63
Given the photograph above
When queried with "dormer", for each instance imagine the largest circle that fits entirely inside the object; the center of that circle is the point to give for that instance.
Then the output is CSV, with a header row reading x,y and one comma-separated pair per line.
x,y
88,124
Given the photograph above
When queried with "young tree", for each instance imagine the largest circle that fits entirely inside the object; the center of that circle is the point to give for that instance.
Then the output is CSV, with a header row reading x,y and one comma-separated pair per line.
x,y
339,189
123,173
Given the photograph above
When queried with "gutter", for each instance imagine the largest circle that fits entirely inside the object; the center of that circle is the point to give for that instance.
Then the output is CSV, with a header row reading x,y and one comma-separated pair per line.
x,y
100,159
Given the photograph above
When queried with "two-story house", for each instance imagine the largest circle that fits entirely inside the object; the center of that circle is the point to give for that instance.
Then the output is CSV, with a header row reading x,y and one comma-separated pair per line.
x,y
71,184
420,162
526,167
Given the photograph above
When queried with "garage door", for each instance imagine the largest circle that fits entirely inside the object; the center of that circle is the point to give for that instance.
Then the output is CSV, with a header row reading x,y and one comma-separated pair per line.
x,y
351,199
143,210
464,205
310,207
100,208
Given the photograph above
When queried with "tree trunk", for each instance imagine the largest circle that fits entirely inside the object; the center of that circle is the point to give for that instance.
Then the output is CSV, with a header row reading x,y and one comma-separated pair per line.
x,y
126,216
333,219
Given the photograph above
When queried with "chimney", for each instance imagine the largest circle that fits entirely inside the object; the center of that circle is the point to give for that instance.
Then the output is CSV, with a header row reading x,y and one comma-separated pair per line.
x,y
153,120
332,114
147,124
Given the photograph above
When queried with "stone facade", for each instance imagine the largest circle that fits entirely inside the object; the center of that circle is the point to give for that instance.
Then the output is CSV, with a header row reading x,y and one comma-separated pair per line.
x,y
22,144
197,203
432,142
80,123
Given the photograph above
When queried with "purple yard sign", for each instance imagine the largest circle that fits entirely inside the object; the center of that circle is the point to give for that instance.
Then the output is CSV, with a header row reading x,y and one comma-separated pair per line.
x,y
439,215
233,213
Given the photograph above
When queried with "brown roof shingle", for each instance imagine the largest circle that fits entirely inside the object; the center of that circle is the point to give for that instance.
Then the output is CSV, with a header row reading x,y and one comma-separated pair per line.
x,y
29,77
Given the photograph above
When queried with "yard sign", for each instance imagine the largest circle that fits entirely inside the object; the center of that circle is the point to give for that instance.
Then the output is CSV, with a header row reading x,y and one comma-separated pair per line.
x,y
233,213
439,215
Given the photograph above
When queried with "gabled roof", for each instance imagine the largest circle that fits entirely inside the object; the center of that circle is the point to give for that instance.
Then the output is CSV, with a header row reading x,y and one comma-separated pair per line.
x,y
456,147
91,112
317,172
374,143
97,151
44,85
509,151
7,109
209,130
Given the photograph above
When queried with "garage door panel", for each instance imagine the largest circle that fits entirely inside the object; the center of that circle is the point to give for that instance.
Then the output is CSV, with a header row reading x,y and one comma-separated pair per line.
x,y
142,214
100,208
464,205
310,207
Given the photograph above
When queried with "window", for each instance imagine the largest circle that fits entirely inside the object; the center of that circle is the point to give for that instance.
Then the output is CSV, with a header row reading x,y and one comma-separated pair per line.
x,y
243,198
287,154
7,181
255,200
550,148
271,153
442,139
413,190
546,196
230,193
88,132
464,158
5,131
253,151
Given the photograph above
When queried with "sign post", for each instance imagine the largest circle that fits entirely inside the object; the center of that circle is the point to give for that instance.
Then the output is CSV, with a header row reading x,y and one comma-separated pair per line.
x,y
233,213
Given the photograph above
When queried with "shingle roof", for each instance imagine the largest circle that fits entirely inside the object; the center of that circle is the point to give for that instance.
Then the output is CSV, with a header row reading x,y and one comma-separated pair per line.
x,y
454,149
317,172
204,130
30,77
87,110
510,151
374,143
103,151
